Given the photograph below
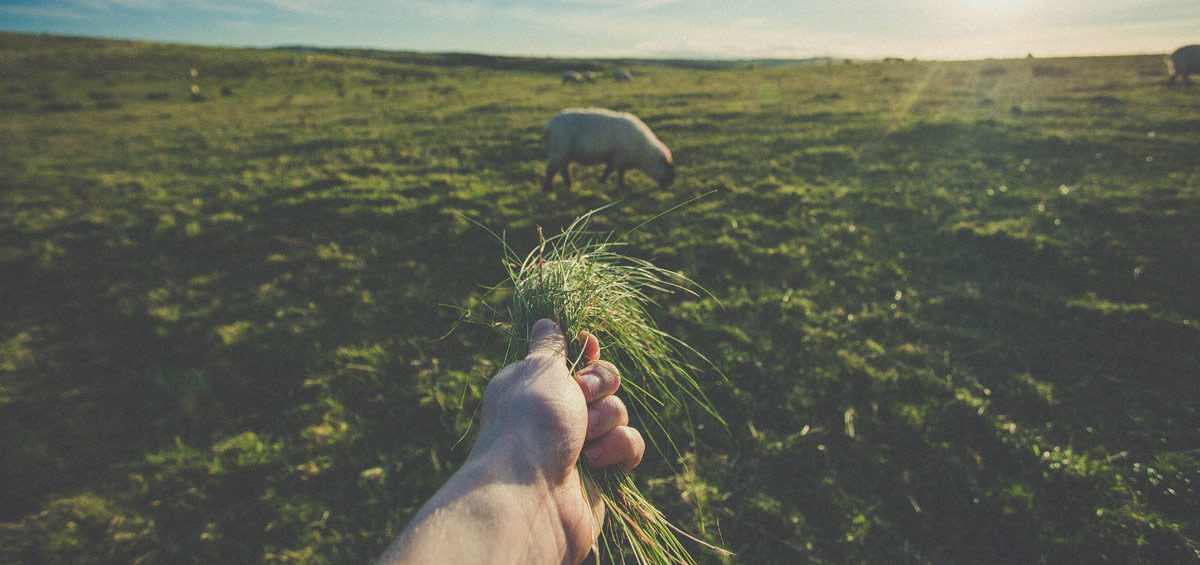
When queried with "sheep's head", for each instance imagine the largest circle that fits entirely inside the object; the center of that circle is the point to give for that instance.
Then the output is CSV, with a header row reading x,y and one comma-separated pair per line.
x,y
663,169
668,176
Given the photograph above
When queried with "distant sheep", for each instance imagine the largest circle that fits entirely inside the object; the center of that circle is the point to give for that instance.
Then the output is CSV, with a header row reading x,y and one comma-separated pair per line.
x,y
589,77
1184,61
622,75
571,77
592,136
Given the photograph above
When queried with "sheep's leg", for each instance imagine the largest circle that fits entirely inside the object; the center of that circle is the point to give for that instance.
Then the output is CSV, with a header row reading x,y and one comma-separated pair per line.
x,y
566,173
548,182
608,169
620,177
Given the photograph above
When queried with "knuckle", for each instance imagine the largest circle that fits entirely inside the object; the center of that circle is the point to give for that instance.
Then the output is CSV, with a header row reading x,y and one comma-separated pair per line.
x,y
618,411
607,366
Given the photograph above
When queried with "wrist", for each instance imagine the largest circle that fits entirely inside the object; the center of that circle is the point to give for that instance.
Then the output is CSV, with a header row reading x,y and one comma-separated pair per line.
x,y
516,458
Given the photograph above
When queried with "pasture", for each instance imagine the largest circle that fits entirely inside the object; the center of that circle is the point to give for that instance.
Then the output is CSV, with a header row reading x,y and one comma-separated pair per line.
x,y
955,303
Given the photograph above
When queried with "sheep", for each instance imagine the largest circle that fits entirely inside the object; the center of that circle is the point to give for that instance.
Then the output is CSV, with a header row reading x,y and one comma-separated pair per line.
x,y
594,135
1184,61
622,75
572,77
589,77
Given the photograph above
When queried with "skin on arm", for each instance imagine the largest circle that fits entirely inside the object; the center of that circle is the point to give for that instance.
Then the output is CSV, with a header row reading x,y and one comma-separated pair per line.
x,y
518,497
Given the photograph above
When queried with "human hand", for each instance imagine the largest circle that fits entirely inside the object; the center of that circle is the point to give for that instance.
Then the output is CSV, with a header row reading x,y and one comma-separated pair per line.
x,y
535,411
519,498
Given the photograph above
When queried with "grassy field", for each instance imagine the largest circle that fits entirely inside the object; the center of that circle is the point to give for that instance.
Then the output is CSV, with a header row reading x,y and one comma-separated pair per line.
x,y
956,302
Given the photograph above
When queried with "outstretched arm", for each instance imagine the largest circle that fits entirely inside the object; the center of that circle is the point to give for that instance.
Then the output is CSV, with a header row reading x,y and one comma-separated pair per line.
x,y
518,497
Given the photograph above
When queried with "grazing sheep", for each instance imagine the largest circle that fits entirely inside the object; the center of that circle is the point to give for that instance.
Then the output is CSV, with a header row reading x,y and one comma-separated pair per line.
x,y
622,75
1184,61
592,136
572,77
589,77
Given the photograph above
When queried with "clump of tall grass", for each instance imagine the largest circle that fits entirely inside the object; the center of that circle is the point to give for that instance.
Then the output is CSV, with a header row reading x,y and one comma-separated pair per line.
x,y
581,281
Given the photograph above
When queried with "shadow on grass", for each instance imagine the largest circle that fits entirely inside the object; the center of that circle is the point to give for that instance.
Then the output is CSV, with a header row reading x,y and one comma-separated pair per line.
x,y
231,378
1030,398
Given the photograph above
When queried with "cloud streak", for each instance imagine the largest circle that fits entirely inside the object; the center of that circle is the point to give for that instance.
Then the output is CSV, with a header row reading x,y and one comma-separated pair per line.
x,y
47,13
627,5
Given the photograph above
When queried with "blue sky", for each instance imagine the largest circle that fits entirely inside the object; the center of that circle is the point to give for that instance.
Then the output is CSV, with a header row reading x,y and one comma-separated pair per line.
x,y
942,29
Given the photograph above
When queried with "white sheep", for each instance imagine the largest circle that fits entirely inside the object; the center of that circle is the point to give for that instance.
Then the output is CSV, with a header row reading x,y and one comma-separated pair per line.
x,y
589,77
572,77
1184,61
622,75
594,135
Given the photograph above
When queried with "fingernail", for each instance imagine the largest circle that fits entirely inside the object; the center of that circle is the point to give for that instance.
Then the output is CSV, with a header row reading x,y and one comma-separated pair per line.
x,y
592,381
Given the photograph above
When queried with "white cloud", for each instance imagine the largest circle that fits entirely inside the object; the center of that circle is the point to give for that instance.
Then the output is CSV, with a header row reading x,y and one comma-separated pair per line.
x,y
216,6
113,5
312,7
620,4
456,10
652,4
385,10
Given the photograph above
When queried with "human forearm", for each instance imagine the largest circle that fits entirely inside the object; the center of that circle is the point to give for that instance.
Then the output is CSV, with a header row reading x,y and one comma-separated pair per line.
x,y
490,511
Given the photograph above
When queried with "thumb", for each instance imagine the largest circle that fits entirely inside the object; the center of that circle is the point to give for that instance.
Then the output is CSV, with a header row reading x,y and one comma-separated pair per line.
x,y
546,340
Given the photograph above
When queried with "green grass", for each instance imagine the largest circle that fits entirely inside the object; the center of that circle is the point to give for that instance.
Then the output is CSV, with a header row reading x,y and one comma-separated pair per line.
x,y
583,282
957,301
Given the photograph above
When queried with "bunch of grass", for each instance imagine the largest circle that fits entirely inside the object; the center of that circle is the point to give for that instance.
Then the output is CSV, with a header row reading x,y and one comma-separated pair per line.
x,y
580,280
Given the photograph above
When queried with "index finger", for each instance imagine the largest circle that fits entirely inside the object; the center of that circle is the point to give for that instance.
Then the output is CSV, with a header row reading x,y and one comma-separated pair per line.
x,y
590,346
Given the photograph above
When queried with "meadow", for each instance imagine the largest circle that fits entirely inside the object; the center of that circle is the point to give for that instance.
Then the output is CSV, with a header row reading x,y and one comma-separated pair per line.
x,y
954,305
